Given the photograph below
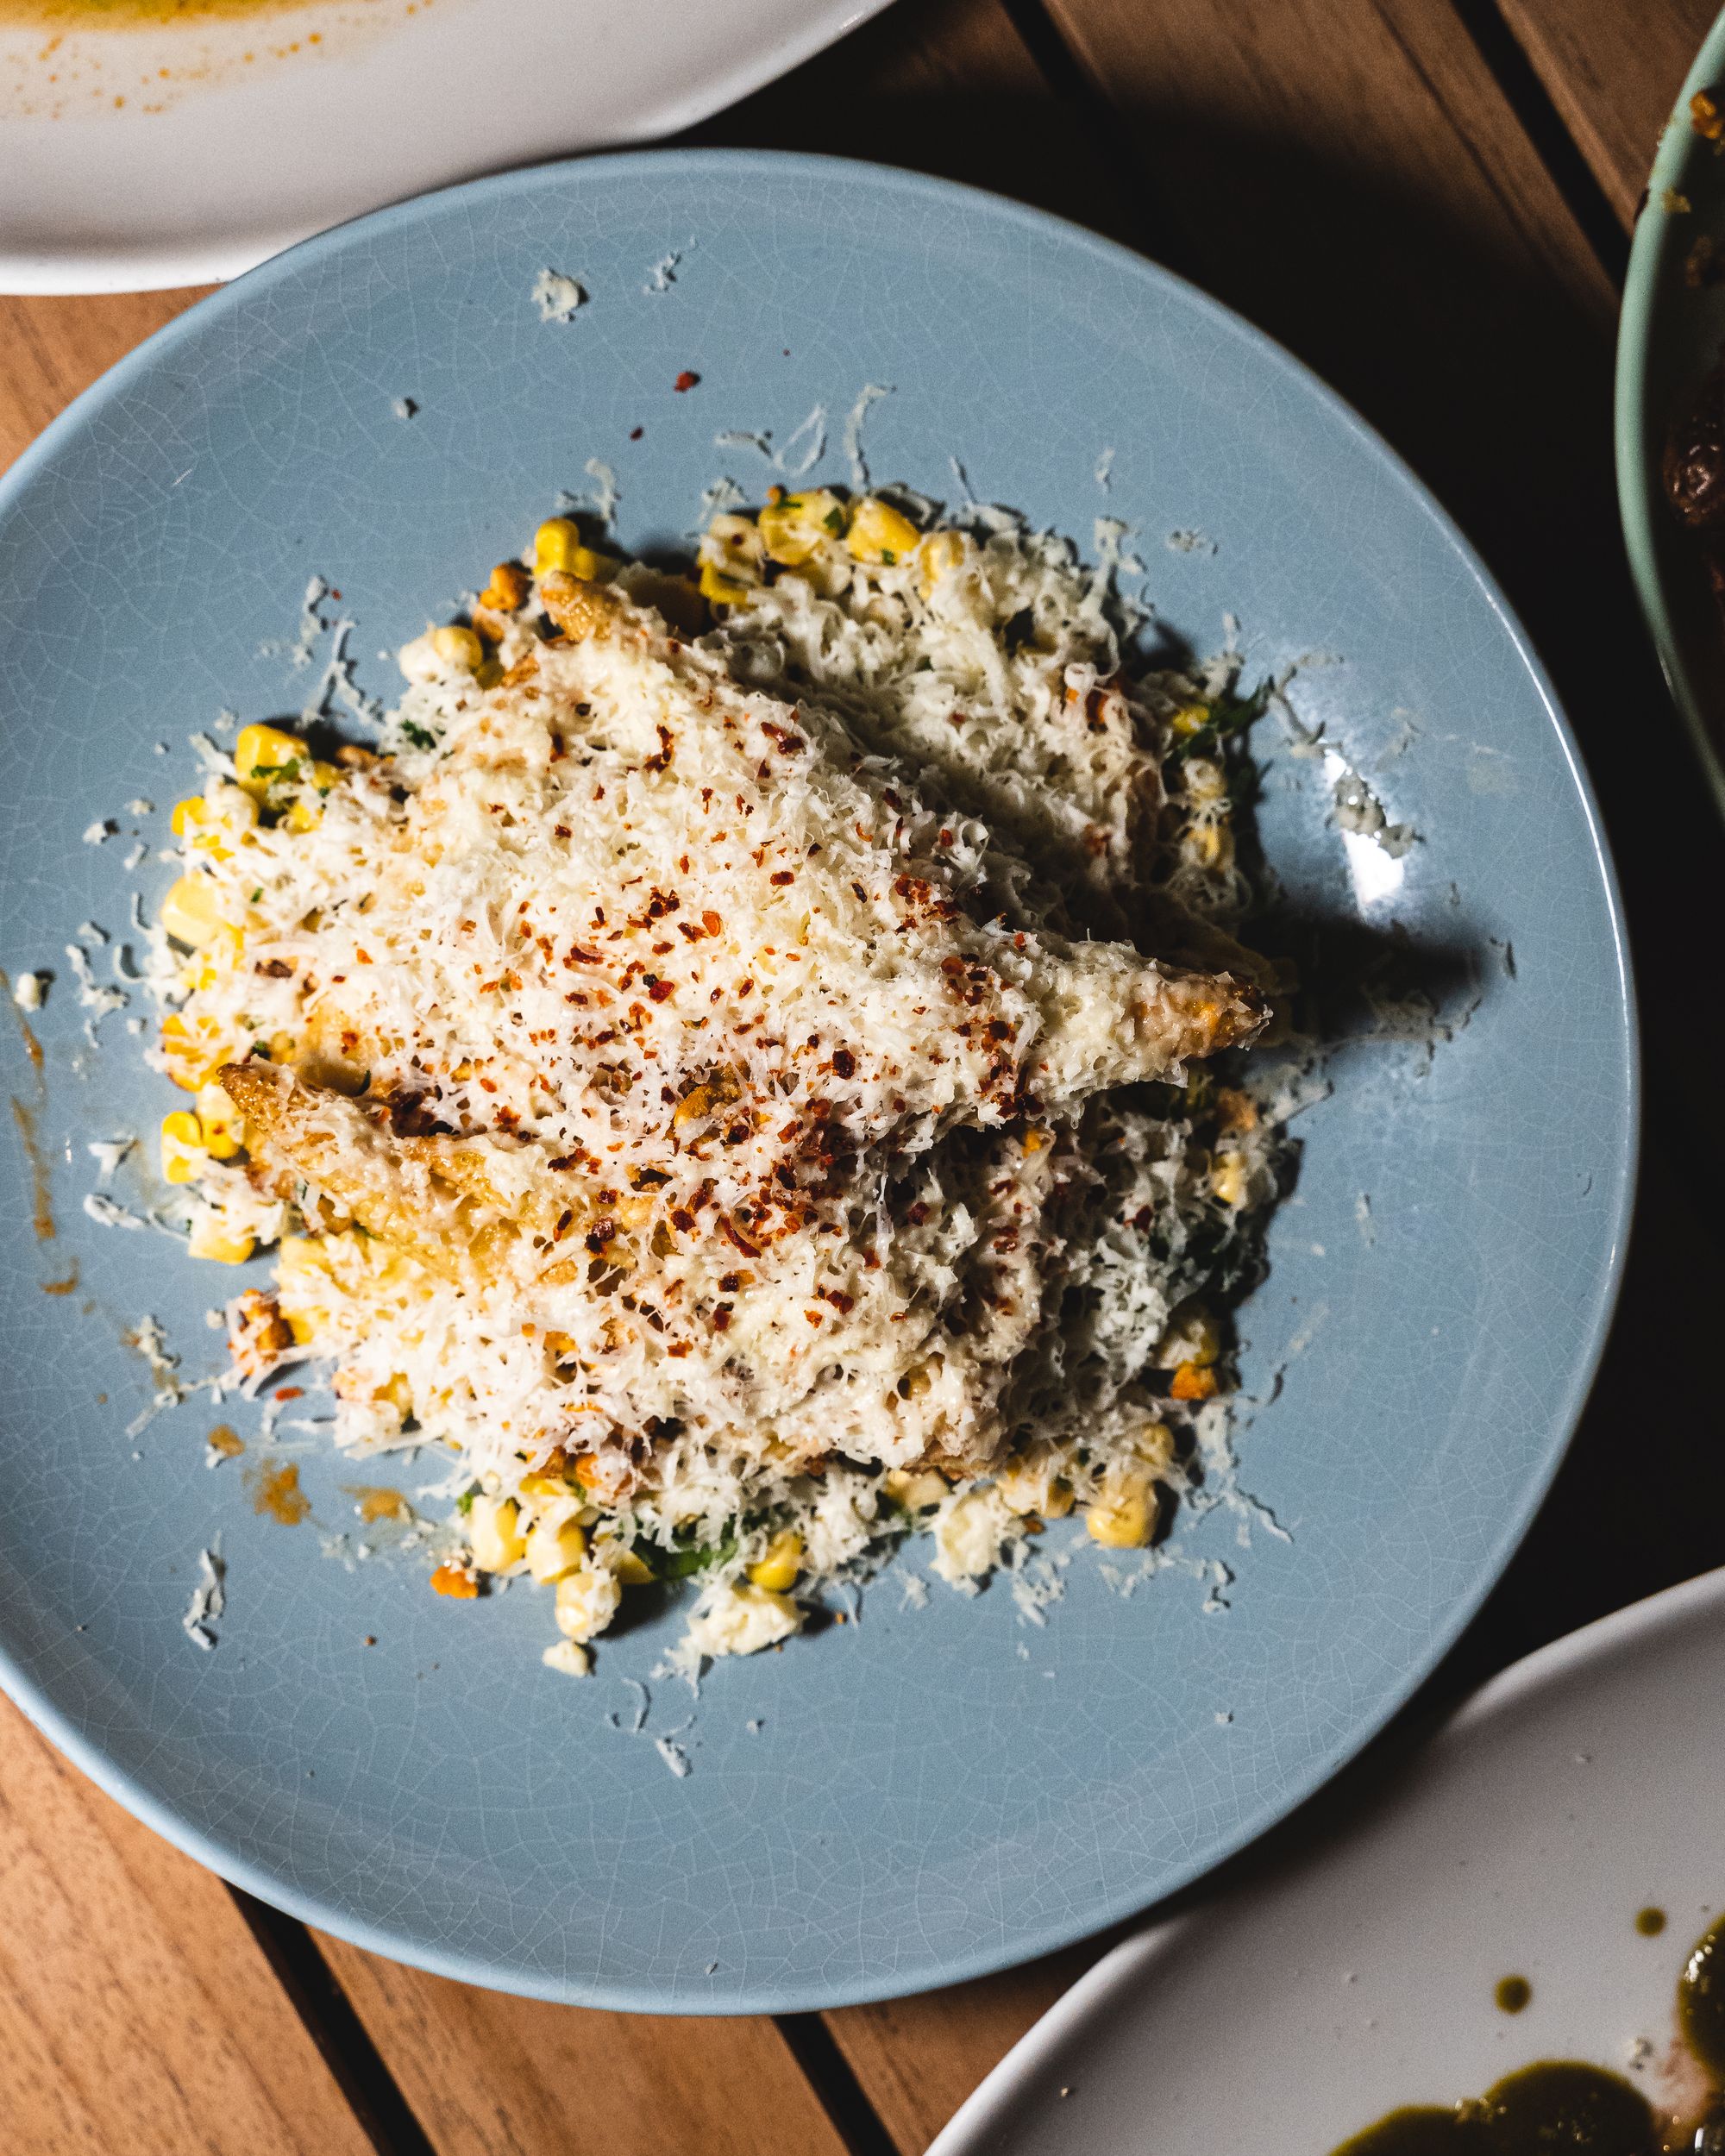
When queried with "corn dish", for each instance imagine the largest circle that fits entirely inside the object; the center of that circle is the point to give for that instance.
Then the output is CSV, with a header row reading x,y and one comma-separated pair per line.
x,y
704,1069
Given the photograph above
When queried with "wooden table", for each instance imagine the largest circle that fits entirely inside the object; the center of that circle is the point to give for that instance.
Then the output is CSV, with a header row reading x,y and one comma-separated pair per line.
x,y
1429,200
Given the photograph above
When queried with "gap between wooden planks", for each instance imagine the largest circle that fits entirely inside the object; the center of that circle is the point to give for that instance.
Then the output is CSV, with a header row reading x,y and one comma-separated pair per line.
x,y
1352,176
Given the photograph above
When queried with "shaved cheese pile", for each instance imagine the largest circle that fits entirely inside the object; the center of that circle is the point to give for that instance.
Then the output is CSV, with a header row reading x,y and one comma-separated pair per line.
x,y
732,1084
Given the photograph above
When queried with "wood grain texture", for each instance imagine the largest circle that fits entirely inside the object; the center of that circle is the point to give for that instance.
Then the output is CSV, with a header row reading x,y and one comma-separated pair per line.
x,y
489,2075
917,2059
1613,73
948,87
52,349
136,2011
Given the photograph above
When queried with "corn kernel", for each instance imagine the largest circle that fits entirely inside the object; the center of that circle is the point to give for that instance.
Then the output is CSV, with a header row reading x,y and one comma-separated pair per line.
x,y
720,589
1229,1180
553,1550
939,555
194,1049
219,955
494,1534
1153,1449
555,544
192,911
777,1572
915,1492
632,1571
459,647
1123,1515
797,525
1208,846
587,1602
879,533
183,1150
569,1658
211,1238
734,544
456,1582
304,816
261,754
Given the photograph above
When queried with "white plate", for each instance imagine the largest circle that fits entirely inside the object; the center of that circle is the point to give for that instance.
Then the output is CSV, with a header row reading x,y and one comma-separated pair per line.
x,y
181,152
1356,1972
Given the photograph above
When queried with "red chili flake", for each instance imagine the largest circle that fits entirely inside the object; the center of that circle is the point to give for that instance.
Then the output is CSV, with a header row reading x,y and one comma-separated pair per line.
x,y
784,876
844,1063
599,1235
661,989
292,1392
686,380
683,1220
636,433
721,1318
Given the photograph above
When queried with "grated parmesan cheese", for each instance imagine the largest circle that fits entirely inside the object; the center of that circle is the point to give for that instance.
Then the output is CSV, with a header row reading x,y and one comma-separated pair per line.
x,y
706,1083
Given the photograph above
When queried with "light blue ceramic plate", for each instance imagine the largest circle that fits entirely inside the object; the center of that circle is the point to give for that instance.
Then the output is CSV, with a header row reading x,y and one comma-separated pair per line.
x,y
929,1793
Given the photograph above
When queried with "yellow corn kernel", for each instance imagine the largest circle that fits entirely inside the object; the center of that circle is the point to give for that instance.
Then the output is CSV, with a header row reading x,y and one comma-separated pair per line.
x,y
494,1534
183,1150
1153,1449
720,589
1123,1515
459,647
556,545
777,1572
879,533
544,1484
554,1550
219,955
1228,1179
211,1238
1036,1141
192,911
799,525
260,753
587,1602
940,553
194,1049
507,589
211,823
1209,846
304,816
301,1327
916,1492
632,1570
1033,1486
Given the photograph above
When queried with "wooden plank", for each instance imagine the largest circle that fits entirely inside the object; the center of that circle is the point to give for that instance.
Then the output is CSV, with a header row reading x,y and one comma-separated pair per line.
x,y
136,2010
489,2075
948,87
1613,73
917,2059
51,349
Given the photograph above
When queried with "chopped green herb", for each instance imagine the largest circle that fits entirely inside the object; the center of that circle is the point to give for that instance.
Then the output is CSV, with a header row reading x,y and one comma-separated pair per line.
x,y
889,558
417,735
464,1503
257,894
834,521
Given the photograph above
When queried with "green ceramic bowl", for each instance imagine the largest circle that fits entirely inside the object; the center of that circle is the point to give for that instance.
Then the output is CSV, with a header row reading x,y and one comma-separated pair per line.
x,y
1669,337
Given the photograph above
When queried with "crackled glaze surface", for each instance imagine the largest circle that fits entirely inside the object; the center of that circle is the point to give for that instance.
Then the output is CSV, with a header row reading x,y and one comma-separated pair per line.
x,y
931,1792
